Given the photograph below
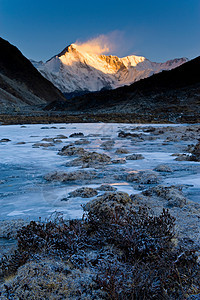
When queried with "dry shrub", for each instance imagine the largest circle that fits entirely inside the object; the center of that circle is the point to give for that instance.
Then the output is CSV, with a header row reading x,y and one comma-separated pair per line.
x,y
130,254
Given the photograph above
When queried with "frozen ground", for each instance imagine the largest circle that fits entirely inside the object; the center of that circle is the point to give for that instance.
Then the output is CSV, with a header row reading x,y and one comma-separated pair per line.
x,y
24,193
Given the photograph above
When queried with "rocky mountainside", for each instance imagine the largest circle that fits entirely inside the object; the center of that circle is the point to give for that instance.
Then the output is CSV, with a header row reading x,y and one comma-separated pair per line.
x,y
75,70
168,96
20,83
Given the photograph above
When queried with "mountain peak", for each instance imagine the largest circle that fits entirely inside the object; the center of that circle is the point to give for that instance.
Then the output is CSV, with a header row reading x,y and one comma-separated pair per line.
x,y
68,49
72,48
81,67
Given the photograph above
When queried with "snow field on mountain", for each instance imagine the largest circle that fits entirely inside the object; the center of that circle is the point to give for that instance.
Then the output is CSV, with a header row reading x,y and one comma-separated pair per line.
x,y
76,70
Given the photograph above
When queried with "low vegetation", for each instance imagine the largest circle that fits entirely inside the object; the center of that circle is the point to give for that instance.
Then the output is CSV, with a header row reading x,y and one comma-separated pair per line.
x,y
120,254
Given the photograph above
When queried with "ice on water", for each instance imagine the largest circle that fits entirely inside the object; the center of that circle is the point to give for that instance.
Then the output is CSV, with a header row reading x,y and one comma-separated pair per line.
x,y
25,194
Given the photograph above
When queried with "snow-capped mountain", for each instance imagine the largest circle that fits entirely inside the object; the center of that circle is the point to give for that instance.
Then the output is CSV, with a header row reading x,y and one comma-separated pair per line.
x,y
75,70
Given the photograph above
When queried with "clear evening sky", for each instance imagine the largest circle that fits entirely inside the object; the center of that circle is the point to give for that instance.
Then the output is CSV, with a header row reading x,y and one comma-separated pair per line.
x,y
157,29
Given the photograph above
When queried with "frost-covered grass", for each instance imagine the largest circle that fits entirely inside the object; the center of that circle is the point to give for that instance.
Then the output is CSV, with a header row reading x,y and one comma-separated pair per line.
x,y
121,254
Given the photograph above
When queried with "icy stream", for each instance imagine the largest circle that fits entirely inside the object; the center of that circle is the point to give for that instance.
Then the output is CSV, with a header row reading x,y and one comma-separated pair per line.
x,y
25,194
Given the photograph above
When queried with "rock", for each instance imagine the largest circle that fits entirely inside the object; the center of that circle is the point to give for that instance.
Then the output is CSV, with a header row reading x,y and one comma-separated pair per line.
x,y
76,134
5,140
82,142
37,145
134,157
54,127
90,159
189,148
150,138
84,192
107,145
121,151
149,129
57,141
173,139
70,176
62,127
64,199
44,127
175,154
124,134
119,161
53,140
163,168
48,140
195,153
182,157
108,203
61,136
143,177
173,194
71,150
20,143
106,187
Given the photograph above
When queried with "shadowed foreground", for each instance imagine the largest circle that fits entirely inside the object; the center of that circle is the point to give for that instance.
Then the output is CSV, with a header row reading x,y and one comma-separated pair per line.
x,y
117,251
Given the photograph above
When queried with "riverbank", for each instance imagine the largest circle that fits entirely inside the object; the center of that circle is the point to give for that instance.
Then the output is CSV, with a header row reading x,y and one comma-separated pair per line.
x,y
60,117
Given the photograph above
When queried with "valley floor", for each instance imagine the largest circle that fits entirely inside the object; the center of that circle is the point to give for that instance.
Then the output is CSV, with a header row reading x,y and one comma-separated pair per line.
x,y
112,116
62,167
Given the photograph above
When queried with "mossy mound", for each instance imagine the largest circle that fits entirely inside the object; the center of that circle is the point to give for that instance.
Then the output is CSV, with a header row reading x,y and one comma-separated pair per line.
x,y
84,192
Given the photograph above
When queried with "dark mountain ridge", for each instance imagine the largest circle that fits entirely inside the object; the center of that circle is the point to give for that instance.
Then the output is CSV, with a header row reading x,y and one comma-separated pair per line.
x,y
20,82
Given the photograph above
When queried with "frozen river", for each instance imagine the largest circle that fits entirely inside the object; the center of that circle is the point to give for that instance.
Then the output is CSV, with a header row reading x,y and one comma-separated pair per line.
x,y
24,193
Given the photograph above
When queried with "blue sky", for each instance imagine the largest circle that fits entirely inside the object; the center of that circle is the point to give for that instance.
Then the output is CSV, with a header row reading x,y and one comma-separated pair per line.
x,y
159,30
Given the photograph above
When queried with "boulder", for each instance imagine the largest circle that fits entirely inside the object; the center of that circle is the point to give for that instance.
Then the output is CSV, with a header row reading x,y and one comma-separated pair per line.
x,y
106,187
172,194
37,145
82,142
108,203
70,150
84,192
90,159
70,176
20,143
121,151
119,161
107,145
181,157
61,137
134,157
143,177
124,134
163,168
48,140
76,134
5,140
195,153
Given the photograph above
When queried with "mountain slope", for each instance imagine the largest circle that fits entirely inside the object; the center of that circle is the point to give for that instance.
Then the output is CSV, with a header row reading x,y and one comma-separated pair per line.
x,y
20,82
170,95
74,70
